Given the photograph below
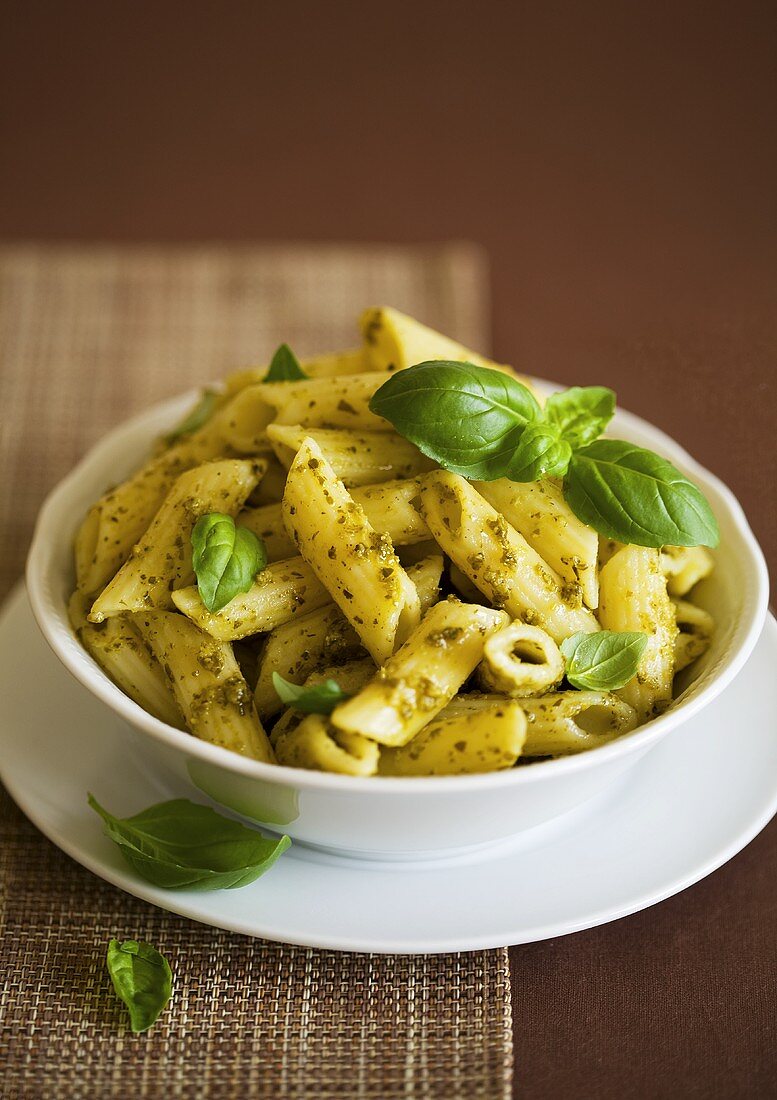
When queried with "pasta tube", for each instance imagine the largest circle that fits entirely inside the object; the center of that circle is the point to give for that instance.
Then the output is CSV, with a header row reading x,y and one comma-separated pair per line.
x,y
460,742
538,511
355,563
497,559
325,637
695,628
353,361
520,660
685,566
573,721
163,557
207,683
283,591
424,675
633,596
358,458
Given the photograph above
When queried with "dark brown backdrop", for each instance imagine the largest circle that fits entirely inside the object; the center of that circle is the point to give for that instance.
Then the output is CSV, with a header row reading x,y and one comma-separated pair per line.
x,y
618,162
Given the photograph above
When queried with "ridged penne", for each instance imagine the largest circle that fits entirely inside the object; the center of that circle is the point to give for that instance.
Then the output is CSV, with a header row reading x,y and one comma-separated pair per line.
x,y
566,722
358,458
538,511
355,563
519,661
497,559
423,676
695,628
163,556
633,596
216,702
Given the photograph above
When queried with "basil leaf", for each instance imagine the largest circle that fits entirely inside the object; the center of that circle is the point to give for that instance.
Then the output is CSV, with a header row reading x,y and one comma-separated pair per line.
x,y
225,559
317,699
580,413
540,453
185,845
603,661
199,415
468,419
284,366
627,493
142,979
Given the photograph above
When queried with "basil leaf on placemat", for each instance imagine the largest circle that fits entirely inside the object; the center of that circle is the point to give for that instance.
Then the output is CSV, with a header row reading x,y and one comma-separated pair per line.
x,y
633,495
185,845
142,979
199,415
603,661
284,366
317,699
225,558
468,419
580,413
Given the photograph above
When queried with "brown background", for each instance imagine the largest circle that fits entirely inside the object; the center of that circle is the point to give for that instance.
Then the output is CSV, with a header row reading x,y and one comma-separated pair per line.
x,y
619,165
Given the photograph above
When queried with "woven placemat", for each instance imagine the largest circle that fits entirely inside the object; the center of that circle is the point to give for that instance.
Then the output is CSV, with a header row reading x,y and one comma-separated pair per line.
x,y
88,337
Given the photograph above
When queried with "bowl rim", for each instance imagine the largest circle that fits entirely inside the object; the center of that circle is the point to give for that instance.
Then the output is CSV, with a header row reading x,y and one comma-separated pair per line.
x,y
57,631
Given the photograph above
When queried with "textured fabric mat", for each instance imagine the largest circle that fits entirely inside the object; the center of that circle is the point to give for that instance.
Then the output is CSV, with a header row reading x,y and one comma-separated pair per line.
x,y
87,337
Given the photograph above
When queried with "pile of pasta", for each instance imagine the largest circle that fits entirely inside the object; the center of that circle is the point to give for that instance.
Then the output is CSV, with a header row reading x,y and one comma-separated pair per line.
x,y
436,604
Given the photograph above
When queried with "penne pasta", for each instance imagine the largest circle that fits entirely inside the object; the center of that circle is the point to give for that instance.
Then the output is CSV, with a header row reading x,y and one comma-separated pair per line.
x,y
283,591
163,557
497,559
538,511
208,685
356,564
567,722
633,596
684,567
519,661
695,628
358,458
416,683
337,363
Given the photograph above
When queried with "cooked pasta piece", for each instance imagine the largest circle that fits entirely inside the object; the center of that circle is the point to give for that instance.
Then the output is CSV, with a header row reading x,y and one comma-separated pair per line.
x,y
387,508
355,563
538,511
497,559
270,488
283,591
358,458
695,628
684,567
325,637
207,683
633,596
120,651
520,660
321,366
566,722
163,557
460,742
416,683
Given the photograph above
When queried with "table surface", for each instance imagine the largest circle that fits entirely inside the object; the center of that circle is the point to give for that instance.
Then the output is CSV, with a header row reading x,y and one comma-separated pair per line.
x,y
618,165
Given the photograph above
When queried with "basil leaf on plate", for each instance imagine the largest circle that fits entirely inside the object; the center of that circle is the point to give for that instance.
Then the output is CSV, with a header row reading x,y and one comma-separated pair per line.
x,y
185,845
580,413
142,979
199,415
317,699
540,453
633,495
284,366
603,661
225,558
468,419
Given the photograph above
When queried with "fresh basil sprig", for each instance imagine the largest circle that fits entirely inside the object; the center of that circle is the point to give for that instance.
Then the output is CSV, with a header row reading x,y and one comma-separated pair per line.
x,y
603,661
225,558
200,414
142,979
185,845
484,425
317,699
284,366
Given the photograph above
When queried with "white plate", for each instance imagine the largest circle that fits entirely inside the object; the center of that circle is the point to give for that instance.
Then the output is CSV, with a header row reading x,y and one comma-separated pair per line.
x,y
692,803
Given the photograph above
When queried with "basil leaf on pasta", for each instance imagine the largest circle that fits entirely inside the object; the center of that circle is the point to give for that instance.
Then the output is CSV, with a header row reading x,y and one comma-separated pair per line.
x,y
284,366
316,699
603,661
580,413
200,414
142,979
540,453
225,559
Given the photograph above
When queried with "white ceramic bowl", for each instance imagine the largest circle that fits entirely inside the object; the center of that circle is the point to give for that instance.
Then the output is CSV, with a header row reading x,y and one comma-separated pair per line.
x,y
384,817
